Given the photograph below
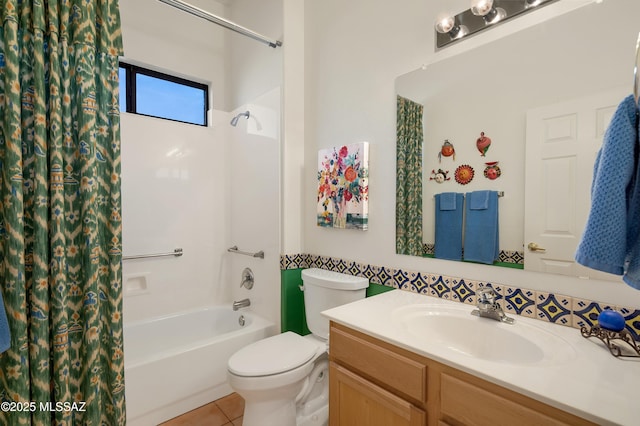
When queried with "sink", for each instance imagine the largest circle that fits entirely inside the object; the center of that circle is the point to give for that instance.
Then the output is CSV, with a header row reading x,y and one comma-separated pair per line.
x,y
455,329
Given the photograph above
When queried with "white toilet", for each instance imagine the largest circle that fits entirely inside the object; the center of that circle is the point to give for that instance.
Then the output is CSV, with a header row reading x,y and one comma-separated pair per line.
x,y
284,378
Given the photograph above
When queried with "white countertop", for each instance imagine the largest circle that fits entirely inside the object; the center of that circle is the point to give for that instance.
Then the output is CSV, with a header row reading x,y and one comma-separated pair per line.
x,y
589,383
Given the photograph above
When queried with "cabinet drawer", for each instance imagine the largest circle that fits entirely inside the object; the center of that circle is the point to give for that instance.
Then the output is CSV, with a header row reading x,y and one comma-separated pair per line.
x,y
388,368
465,403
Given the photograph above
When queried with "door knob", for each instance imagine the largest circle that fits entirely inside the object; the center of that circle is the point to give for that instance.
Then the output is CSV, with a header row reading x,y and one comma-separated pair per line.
x,y
536,247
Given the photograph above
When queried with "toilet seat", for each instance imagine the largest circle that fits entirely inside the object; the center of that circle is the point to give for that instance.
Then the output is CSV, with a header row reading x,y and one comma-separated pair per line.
x,y
273,355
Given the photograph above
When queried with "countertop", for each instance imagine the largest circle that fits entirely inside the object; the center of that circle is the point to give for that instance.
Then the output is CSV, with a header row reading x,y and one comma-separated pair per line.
x,y
586,381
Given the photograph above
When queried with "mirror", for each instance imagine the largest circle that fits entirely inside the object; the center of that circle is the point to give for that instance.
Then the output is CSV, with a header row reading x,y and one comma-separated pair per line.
x,y
492,88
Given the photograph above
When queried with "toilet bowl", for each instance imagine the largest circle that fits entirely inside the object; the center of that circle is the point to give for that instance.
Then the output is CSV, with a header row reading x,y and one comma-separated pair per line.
x,y
284,378
274,376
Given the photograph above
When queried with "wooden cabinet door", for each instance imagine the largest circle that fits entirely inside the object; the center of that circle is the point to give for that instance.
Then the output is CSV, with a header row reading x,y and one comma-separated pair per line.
x,y
354,401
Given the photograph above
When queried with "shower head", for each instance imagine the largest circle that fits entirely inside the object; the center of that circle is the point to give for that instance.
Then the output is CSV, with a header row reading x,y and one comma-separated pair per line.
x,y
234,120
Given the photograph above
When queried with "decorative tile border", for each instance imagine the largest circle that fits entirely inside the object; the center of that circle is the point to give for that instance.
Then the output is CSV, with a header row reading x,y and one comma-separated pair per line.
x,y
505,256
554,308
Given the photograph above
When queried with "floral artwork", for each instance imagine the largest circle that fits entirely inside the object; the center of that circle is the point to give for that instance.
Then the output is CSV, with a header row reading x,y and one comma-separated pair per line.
x,y
343,186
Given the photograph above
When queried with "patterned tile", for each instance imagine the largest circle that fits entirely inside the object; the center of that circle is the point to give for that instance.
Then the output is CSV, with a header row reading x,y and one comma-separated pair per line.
x,y
585,312
401,279
632,320
553,308
355,269
508,256
440,287
366,271
519,301
382,276
307,260
315,262
285,261
338,265
428,249
463,291
326,262
418,283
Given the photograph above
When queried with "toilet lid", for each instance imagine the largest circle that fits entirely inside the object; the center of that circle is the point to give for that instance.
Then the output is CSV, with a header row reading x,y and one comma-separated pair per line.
x,y
272,355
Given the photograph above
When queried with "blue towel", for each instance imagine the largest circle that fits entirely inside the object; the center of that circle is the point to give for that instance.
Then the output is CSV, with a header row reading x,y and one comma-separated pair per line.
x,y
448,201
5,335
481,236
449,210
611,239
479,200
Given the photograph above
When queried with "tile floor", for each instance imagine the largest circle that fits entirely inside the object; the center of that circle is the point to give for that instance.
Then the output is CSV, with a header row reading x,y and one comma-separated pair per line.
x,y
225,411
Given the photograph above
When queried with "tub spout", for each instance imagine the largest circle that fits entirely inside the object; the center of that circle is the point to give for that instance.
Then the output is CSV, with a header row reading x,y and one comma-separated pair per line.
x,y
241,304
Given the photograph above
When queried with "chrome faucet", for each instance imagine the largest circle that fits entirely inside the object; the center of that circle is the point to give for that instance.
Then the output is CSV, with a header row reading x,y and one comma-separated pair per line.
x,y
241,304
488,307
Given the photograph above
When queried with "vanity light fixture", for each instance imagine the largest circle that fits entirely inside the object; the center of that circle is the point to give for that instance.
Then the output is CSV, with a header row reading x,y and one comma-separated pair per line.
x,y
481,15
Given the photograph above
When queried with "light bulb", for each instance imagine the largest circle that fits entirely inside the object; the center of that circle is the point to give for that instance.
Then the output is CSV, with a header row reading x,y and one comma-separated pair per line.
x,y
481,7
445,24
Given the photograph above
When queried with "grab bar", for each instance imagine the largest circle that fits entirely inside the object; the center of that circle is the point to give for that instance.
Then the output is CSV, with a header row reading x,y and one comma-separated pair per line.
x,y
177,253
234,249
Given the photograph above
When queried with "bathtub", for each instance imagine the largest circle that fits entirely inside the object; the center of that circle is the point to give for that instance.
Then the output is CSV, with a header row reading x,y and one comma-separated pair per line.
x,y
176,363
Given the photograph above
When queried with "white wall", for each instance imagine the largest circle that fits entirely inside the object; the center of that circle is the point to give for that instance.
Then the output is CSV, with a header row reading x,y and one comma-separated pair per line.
x,y
254,174
173,197
353,53
201,188
255,68
255,80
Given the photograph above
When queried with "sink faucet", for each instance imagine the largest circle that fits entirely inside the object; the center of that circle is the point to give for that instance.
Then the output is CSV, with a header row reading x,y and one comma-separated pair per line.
x,y
488,307
241,304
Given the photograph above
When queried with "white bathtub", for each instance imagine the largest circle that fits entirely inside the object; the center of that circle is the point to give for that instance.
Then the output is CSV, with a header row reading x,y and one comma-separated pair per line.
x,y
176,363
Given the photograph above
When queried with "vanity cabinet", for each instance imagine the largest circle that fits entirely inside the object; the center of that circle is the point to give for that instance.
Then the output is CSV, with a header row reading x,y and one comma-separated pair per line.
x,y
372,382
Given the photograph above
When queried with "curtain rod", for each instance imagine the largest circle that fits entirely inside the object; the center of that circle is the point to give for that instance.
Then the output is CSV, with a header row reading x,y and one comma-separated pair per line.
x,y
185,7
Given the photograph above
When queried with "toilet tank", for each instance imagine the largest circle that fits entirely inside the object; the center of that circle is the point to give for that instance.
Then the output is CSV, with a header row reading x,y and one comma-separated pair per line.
x,y
325,290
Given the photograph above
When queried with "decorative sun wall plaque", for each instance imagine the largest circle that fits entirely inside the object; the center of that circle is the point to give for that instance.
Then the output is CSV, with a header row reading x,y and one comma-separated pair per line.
x,y
343,186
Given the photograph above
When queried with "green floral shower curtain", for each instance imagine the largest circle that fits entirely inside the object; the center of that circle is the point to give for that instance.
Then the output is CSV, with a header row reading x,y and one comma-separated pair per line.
x,y
60,225
409,138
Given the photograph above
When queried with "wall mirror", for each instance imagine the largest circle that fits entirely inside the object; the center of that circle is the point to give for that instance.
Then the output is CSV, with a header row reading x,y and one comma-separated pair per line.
x,y
528,86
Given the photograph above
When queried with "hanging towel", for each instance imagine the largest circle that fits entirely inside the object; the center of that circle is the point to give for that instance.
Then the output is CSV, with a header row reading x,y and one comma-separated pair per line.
x,y
611,238
449,210
5,335
481,239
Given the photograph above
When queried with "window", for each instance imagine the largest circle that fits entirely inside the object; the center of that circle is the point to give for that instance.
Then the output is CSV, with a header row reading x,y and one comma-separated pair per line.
x,y
151,93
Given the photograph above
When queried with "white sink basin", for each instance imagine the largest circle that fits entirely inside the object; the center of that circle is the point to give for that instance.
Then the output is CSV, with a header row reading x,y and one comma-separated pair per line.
x,y
455,329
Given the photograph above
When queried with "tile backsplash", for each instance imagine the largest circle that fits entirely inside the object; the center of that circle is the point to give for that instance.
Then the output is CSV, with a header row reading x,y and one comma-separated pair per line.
x,y
551,307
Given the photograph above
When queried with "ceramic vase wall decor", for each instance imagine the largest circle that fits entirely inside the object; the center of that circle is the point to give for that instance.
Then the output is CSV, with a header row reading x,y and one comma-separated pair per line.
x,y
483,143
447,150
464,174
439,176
492,171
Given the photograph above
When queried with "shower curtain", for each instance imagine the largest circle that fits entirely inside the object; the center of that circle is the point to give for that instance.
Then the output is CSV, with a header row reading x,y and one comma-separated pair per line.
x,y
409,138
60,225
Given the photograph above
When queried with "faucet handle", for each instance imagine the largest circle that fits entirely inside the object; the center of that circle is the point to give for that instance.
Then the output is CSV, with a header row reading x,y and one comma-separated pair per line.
x,y
486,295
247,279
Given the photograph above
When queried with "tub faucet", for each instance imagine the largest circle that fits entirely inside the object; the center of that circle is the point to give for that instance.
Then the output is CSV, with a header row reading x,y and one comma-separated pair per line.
x,y
488,307
241,304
